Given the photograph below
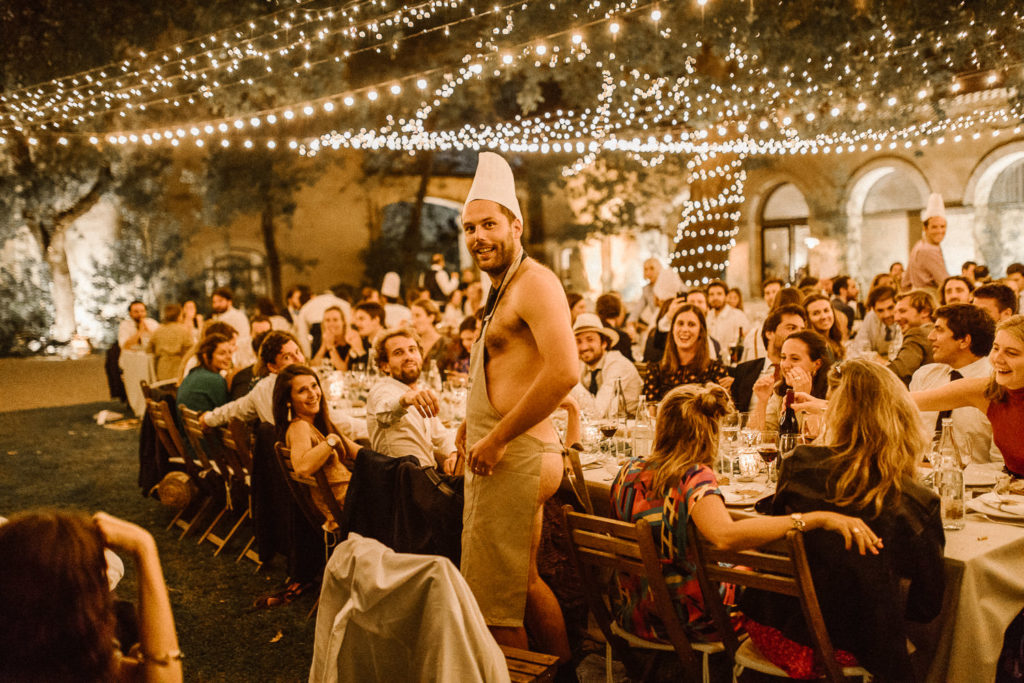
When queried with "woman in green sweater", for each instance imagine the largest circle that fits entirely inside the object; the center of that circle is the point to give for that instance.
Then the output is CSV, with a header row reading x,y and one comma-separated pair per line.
x,y
204,388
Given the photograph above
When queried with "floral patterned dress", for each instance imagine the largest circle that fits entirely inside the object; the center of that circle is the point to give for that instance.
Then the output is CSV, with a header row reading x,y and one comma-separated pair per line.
x,y
659,383
633,499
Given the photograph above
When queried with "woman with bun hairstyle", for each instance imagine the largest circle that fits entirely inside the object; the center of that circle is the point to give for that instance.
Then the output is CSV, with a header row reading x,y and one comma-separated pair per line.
x,y
676,483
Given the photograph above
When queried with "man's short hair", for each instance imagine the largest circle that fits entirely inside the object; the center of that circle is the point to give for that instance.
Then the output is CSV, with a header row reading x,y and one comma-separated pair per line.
x,y
807,281
1004,297
224,293
381,343
772,281
1015,269
372,309
257,341
135,302
716,283
272,345
608,306
920,300
775,316
258,318
840,283
968,264
961,278
965,319
880,293
171,313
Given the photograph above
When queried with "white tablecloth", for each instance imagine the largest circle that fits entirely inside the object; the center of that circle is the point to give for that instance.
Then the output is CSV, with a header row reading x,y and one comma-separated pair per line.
x,y
135,367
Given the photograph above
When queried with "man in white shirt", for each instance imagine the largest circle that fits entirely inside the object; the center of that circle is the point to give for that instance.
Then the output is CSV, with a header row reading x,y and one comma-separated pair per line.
x,y
961,340
133,337
726,324
278,351
879,335
133,334
224,310
401,413
601,367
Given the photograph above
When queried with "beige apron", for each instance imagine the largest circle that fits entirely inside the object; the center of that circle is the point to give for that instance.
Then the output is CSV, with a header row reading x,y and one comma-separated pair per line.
x,y
497,520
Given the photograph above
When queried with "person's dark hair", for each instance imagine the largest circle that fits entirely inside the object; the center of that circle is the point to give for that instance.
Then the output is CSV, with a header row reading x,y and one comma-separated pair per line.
x,y
257,342
272,345
1015,269
739,295
57,622
981,272
207,346
807,281
608,306
469,323
895,263
430,308
920,300
942,289
881,293
965,319
878,278
219,327
717,283
135,302
224,293
265,306
968,264
670,362
817,349
1003,295
573,298
283,402
788,295
171,313
774,319
304,293
840,283
372,309
772,281
258,318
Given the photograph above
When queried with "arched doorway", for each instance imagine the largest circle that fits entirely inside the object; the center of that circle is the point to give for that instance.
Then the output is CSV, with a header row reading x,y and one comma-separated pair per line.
x,y
996,189
785,234
883,215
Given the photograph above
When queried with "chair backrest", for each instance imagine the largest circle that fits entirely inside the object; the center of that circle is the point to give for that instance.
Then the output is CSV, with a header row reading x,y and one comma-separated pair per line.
x,y
779,567
167,432
302,487
598,544
208,449
238,438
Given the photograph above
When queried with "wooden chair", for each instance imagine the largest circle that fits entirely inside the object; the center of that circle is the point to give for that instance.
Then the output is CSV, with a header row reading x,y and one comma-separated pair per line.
x,y
779,567
599,545
302,487
167,432
237,442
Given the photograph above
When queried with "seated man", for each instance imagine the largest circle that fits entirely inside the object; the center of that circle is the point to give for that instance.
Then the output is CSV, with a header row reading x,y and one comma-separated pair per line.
x,y
401,413
961,340
879,333
914,316
780,323
367,322
602,365
998,300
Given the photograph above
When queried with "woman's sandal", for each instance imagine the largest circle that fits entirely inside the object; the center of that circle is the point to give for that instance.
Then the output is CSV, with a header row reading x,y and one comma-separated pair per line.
x,y
282,597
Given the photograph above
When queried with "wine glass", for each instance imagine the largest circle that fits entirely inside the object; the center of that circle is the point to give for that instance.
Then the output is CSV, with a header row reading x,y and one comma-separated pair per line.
x,y
787,444
747,433
768,449
608,429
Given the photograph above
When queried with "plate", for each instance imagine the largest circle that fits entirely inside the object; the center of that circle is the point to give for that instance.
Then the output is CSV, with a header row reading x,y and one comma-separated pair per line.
x,y
1007,506
588,458
742,495
980,475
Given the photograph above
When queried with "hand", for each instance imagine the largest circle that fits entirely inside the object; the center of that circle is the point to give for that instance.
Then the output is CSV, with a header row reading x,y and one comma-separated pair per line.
x,y
121,535
484,455
726,381
202,422
763,387
853,530
799,379
353,339
460,440
803,402
327,339
423,399
450,462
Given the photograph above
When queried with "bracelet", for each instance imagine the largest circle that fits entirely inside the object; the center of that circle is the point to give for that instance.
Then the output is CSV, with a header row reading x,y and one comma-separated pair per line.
x,y
165,660
798,522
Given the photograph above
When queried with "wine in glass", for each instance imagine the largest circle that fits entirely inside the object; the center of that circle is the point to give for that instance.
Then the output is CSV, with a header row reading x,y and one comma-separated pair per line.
x,y
768,449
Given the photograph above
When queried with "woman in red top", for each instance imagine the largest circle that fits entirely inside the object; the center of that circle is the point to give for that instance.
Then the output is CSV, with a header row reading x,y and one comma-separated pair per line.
x,y
1000,397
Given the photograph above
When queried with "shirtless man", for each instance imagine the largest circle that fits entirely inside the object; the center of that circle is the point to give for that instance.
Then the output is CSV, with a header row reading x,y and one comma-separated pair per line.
x,y
524,367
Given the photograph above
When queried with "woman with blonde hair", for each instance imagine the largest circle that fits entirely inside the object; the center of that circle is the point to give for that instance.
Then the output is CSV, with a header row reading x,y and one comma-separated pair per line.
x,y
863,465
1000,397
676,483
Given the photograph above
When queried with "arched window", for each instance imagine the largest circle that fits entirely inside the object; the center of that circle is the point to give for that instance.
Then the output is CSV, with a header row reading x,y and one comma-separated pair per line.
x,y
784,234
243,270
887,216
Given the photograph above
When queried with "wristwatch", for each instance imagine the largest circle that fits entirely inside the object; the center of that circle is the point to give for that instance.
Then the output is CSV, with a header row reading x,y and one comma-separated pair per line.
x,y
333,441
798,522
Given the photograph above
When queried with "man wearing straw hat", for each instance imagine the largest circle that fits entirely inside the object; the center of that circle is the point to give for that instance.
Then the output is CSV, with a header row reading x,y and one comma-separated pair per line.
x,y
926,268
522,366
602,365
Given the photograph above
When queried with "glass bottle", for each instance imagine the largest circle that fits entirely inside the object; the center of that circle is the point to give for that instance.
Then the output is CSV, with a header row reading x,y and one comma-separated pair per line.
x,y
789,424
643,431
949,479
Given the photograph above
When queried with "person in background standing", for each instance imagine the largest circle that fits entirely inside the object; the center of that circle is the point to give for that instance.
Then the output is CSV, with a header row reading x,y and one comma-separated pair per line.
x,y
396,313
169,343
726,325
438,282
926,267
225,311
297,297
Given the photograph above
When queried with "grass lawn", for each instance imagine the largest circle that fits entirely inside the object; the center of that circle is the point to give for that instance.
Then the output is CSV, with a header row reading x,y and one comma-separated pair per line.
x,y
59,457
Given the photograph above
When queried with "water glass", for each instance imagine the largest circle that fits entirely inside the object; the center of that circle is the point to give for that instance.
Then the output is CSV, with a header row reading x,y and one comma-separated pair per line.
x,y
950,485
787,444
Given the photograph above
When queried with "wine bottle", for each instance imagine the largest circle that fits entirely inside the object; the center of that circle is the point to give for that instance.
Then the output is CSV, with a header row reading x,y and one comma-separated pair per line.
x,y
789,423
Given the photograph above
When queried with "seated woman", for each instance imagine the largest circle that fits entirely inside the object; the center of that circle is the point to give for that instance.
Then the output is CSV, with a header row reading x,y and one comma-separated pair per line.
x,y
805,362
332,340
204,388
211,327
687,358
1000,397
425,318
457,360
304,426
865,467
58,620
826,321
677,483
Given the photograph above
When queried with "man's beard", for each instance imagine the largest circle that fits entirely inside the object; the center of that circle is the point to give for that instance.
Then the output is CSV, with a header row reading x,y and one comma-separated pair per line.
x,y
504,252
407,375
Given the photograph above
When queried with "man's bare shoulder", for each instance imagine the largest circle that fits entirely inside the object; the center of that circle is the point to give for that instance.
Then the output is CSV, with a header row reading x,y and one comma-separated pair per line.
x,y
535,279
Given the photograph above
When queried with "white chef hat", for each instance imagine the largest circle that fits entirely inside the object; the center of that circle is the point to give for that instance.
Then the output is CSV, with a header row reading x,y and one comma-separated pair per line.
x,y
668,285
392,285
494,181
935,208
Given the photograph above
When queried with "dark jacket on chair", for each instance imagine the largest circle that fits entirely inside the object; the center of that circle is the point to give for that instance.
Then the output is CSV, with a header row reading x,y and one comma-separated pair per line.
x,y
745,375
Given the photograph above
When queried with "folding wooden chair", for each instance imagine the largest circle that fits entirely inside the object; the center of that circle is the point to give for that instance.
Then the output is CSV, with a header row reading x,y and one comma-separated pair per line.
x,y
302,487
167,432
236,441
598,545
779,567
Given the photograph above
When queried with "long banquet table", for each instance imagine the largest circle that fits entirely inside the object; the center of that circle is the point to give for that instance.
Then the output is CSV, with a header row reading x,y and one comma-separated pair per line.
x,y
984,592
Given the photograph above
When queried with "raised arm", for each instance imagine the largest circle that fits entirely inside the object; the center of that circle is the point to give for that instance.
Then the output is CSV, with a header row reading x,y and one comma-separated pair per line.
x,y
969,391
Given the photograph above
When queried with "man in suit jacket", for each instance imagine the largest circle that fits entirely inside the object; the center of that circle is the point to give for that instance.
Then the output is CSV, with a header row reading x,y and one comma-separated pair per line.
x,y
780,323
